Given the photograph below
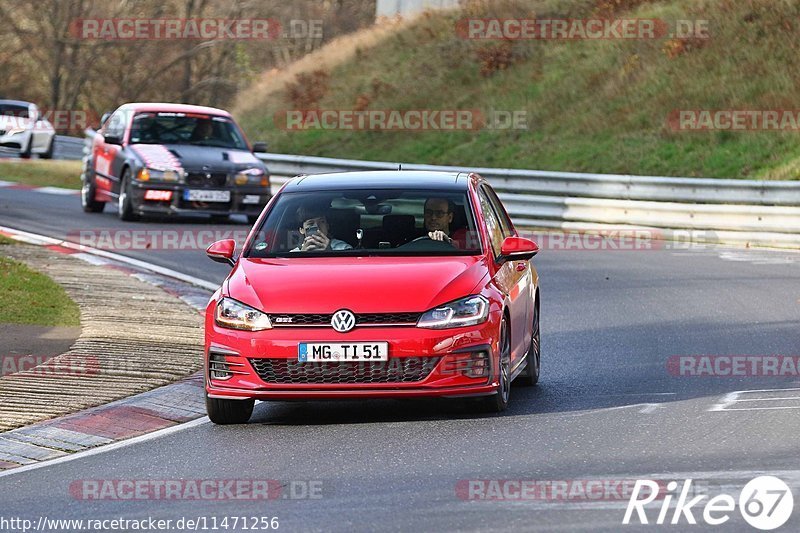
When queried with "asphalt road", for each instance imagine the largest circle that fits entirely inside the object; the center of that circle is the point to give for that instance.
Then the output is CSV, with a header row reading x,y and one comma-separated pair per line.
x,y
607,407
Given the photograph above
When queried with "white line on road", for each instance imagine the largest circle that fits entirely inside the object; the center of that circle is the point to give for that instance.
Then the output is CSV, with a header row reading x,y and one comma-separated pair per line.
x,y
644,408
33,238
107,447
737,397
57,190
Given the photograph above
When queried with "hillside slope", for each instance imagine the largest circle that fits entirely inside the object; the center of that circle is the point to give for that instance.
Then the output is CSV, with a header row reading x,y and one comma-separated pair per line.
x,y
590,105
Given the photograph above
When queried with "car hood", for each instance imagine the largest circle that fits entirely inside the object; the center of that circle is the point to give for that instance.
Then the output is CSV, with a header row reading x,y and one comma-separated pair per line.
x,y
361,284
195,158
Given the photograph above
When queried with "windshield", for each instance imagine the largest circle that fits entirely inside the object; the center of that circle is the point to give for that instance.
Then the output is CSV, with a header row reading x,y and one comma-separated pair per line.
x,y
367,222
13,110
183,128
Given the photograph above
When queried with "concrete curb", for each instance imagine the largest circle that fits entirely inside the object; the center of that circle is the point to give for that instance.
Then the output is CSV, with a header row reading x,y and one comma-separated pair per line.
x,y
116,355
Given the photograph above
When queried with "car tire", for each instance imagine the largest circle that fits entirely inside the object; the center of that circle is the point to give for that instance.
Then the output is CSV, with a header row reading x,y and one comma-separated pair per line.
x,y
497,403
26,154
48,154
533,366
225,412
125,202
89,204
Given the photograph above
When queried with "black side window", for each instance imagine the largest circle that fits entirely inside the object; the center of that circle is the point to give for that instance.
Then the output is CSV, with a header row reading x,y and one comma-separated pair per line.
x,y
505,222
115,125
492,223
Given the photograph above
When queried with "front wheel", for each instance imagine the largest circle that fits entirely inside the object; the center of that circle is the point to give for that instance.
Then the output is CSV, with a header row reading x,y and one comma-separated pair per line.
x,y
49,153
125,203
89,204
498,402
225,412
26,153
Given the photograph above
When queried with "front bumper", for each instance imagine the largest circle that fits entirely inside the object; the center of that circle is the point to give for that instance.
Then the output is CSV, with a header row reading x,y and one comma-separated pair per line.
x,y
446,379
244,200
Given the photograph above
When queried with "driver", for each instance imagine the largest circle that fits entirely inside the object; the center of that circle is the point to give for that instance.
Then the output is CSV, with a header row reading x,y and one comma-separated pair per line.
x,y
203,130
315,230
438,216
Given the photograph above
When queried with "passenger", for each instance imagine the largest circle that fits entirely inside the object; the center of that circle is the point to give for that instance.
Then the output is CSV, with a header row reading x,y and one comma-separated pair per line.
x,y
316,231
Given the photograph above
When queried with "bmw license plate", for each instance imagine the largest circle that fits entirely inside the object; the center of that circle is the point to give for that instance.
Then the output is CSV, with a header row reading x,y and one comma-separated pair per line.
x,y
354,351
193,195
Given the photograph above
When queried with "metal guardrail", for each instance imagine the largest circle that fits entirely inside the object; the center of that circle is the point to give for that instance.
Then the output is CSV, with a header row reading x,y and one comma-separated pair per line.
x,y
759,213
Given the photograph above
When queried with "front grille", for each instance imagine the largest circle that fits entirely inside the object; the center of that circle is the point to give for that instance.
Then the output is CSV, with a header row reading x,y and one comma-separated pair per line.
x,y
397,370
203,179
363,319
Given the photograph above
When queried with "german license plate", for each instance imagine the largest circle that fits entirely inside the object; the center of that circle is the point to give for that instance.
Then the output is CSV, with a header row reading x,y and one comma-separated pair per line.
x,y
194,195
333,352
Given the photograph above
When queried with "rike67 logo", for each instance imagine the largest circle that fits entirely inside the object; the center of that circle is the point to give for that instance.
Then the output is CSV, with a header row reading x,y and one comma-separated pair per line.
x,y
765,503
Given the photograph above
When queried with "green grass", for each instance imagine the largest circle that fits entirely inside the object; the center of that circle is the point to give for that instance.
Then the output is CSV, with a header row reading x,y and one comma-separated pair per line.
x,y
599,106
42,173
27,297
4,241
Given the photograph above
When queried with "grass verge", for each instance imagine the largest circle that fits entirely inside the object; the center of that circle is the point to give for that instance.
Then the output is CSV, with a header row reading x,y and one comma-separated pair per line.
x,y
590,105
28,297
42,173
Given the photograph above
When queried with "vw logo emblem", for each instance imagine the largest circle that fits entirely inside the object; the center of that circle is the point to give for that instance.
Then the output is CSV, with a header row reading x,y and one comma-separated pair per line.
x,y
343,321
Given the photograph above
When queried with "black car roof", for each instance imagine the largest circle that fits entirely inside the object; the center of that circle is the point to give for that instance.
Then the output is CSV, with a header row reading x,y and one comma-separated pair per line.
x,y
381,179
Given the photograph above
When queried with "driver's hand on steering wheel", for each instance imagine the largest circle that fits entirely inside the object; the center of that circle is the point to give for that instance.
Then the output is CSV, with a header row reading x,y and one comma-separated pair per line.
x,y
439,235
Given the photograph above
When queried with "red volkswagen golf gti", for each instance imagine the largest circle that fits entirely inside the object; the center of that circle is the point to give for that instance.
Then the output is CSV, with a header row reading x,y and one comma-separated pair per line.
x,y
374,285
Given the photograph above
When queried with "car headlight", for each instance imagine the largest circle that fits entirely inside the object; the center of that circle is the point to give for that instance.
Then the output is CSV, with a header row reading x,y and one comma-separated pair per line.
x,y
154,174
16,131
464,312
236,315
253,175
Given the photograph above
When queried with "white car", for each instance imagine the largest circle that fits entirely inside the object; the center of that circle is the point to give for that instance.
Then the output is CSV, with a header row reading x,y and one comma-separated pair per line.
x,y
23,128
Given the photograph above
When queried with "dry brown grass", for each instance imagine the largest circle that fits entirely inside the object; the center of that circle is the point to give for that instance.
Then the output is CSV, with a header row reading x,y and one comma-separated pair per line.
x,y
335,53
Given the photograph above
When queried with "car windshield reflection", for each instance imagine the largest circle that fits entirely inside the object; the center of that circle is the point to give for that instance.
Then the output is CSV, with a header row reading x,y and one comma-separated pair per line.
x,y
370,222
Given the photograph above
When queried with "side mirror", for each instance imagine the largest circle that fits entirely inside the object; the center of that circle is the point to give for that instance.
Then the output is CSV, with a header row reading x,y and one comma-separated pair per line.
x,y
112,139
517,249
222,251
259,147
103,119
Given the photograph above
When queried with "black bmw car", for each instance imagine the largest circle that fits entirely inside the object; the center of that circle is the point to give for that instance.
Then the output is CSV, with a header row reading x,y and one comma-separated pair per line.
x,y
170,159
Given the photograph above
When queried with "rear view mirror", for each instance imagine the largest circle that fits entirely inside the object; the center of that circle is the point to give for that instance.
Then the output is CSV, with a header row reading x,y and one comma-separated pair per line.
x,y
259,147
112,139
518,249
222,251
